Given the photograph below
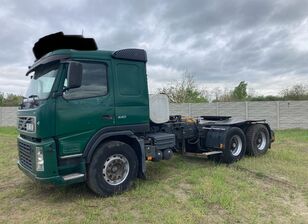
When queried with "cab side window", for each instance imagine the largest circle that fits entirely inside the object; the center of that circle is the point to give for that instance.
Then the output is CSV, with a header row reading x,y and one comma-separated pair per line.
x,y
94,82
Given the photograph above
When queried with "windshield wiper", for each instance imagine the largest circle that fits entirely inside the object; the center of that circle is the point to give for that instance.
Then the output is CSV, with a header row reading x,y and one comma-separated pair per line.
x,y
34,102
33,96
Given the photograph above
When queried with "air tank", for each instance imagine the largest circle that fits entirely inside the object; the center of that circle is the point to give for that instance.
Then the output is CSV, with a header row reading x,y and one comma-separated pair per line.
x,y
159,108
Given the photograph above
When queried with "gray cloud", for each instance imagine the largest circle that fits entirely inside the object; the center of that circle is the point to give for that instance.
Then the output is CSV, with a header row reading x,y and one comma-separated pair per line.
x,y
220,42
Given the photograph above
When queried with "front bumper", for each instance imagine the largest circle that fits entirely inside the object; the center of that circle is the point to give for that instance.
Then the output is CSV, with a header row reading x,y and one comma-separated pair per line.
x,y
51,174
54,180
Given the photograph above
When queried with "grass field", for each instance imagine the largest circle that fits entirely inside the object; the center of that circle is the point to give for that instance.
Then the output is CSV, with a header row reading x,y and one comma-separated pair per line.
x,y
269,189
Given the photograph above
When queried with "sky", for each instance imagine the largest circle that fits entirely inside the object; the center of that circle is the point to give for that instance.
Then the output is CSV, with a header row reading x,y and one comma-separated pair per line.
x,y
219,42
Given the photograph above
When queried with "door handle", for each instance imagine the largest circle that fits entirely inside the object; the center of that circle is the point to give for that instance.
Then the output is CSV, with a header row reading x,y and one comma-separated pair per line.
x,y
107,117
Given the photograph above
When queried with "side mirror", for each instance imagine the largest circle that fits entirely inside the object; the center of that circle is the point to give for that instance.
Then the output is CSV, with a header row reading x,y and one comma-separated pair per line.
x,y
74,75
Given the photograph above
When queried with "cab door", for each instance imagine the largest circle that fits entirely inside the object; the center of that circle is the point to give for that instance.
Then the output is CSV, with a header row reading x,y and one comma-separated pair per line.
x,y
82,111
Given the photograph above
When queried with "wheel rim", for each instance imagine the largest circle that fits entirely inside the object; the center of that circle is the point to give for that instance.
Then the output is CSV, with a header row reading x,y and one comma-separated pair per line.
x,y
261,141
115,169
236,145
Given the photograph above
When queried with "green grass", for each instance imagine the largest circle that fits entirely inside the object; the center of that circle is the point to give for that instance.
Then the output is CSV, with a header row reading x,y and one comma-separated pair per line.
x,y
269,189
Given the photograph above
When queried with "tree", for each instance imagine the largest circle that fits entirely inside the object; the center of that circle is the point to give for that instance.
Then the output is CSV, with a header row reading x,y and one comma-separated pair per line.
x,y
10,99
222,95
217,92
240,91
184,91
296,92
265,98
1,98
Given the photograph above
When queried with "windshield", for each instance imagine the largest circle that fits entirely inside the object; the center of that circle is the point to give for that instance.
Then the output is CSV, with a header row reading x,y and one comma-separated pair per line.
x,y
42,79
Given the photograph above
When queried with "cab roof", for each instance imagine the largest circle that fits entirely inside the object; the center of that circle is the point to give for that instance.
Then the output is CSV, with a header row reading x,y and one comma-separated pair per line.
x,y
67,44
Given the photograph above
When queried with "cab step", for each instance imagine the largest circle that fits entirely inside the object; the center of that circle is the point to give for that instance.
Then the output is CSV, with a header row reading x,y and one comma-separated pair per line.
x,y
72,176
212,153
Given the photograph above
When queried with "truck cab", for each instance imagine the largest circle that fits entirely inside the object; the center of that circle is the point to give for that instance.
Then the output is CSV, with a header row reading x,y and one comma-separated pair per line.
x,y
74,98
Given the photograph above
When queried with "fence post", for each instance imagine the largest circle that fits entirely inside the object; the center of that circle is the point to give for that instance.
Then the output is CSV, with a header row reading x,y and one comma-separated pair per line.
x,y
246,110
278,114
189,109
217,109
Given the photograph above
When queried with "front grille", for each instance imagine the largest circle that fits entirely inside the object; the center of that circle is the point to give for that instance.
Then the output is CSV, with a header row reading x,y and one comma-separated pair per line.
x,y
23,121
25,155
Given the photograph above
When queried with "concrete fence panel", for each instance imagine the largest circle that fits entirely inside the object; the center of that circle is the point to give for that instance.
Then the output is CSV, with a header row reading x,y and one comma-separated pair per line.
x,y
203,109
293,112
280,114
8,116
263,110
234,109
180,109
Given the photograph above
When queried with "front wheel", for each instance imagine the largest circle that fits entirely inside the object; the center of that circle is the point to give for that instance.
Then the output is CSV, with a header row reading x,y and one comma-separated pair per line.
x,y
235,145
112,169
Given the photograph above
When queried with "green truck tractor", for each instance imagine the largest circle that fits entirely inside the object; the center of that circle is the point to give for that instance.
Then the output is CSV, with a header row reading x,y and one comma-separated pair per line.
x,y
87,117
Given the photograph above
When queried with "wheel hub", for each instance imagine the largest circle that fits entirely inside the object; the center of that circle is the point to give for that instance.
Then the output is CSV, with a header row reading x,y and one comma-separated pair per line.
x,y
261,141
115,169
236,145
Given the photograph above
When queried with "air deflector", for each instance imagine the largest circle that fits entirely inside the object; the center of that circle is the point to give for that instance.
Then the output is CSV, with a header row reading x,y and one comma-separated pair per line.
x,y
131,54
58,40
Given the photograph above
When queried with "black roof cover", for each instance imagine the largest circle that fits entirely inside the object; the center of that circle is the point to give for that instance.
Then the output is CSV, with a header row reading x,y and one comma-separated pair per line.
x,y
58,40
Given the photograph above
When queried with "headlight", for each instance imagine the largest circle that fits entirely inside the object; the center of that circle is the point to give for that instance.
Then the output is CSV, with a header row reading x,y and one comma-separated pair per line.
x,y
39,159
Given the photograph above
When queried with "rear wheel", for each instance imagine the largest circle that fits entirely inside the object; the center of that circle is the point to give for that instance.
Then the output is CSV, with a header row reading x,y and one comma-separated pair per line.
x,y
112,169
235,145
257,140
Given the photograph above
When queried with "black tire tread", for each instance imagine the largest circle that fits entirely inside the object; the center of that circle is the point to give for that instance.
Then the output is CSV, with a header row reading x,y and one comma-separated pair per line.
x,y
94,181
250,134
227,155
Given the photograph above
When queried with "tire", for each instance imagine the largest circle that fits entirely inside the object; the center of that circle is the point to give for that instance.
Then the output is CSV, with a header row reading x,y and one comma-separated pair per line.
x,y
235,145
258,140
112,169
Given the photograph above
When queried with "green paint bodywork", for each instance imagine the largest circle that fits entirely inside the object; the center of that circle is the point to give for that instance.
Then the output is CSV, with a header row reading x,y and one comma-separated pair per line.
x,y
64,127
